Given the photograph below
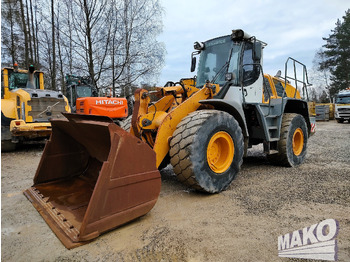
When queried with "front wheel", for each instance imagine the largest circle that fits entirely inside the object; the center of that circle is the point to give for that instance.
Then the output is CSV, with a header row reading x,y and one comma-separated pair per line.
x,y
292,145
207,150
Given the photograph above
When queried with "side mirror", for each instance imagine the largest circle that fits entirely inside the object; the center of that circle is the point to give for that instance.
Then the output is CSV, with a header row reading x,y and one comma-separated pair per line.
x,y
229,77
193,63
257,51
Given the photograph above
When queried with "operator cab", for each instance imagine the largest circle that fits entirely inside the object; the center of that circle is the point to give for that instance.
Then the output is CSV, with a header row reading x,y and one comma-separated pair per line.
x,y
19,79
77,91
77,87
232,58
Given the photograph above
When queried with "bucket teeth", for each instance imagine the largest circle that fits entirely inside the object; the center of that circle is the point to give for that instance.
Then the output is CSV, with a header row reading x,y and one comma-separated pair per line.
x,y
53,213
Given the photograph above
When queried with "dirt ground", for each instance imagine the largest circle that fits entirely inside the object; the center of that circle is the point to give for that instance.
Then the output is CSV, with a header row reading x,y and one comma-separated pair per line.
x,y
239,224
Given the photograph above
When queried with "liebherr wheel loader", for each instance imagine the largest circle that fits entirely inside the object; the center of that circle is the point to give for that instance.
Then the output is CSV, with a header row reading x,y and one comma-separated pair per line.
x,y
94,176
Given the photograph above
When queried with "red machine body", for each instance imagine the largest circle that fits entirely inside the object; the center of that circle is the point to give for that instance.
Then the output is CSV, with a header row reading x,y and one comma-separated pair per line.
x,y
112,107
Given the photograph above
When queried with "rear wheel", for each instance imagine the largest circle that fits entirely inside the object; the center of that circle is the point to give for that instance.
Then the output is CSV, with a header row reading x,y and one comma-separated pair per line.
x,y
293,141
6,141
206,150
7,146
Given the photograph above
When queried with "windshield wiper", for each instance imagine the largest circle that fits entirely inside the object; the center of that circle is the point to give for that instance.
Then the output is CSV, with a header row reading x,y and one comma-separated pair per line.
x,y
220,72
223,67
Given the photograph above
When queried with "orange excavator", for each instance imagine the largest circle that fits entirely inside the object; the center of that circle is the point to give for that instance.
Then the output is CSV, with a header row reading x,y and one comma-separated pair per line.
x,y
83,98
94,175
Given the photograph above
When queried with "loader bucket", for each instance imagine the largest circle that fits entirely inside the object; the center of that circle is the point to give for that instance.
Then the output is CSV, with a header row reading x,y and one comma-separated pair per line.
x,y
93,176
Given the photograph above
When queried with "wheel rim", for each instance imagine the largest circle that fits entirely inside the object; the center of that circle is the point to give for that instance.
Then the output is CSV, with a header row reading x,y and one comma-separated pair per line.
x,y
220,152
298,141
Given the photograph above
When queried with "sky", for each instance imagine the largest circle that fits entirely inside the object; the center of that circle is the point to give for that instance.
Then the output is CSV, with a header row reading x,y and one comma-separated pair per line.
x,y
291,28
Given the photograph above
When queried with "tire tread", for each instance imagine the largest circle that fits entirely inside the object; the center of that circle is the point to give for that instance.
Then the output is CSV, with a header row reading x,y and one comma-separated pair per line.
x,y
181,146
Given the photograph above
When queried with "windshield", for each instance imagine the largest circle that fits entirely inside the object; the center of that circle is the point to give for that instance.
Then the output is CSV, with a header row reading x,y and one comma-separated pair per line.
x,y
343,99
18,80
221,55
83,91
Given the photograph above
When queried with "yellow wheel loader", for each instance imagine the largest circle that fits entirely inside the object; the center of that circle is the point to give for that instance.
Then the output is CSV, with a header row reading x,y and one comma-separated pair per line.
x,y
26,107
95,176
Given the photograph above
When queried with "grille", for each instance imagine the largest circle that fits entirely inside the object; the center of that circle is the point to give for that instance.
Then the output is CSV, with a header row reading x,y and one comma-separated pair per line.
x,y
344,114
81,107
44,108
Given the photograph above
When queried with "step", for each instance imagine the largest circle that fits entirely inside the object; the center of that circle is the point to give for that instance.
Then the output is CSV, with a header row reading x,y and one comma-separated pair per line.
x,y
273,152
272,116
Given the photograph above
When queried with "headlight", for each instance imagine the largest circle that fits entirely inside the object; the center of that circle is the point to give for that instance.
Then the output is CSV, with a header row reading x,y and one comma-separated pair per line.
x,y
239,34
198,45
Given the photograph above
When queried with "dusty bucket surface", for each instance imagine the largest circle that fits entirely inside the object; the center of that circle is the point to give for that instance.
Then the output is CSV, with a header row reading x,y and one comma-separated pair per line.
x,y
92,177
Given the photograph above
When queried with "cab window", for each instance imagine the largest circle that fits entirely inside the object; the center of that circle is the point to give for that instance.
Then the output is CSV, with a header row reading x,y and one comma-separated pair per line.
x,y
251,70
18,80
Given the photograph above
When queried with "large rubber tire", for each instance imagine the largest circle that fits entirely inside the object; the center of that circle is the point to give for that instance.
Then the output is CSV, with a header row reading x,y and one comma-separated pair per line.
x,y
292,146
196,140
6,140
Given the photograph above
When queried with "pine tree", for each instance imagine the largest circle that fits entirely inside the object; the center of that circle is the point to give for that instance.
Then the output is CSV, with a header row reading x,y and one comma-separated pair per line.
x,y
337,55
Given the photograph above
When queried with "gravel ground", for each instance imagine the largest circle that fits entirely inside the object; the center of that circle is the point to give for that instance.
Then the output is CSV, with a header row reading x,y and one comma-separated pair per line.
x,y
239,224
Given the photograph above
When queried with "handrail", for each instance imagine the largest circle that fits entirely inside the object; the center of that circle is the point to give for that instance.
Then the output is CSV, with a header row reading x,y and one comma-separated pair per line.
x,y
305,82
